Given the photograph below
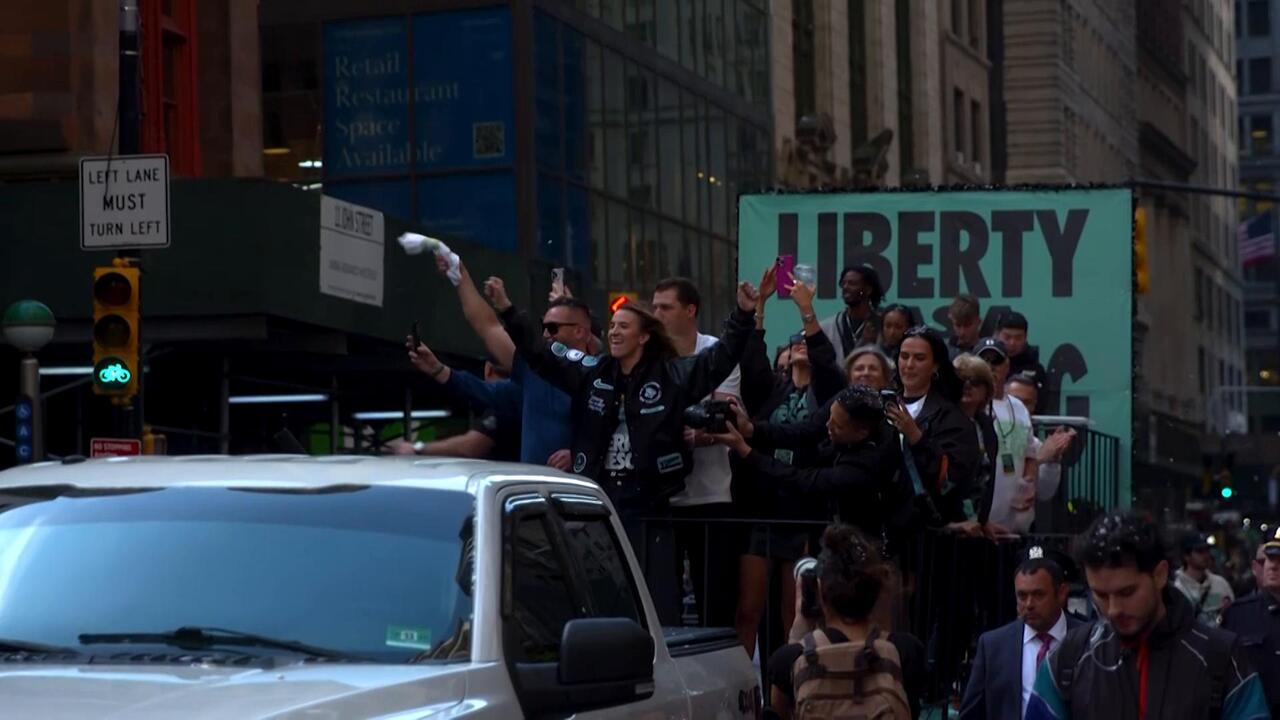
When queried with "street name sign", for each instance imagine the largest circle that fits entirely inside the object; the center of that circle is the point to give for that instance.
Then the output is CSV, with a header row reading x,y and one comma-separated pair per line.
x,y
352,250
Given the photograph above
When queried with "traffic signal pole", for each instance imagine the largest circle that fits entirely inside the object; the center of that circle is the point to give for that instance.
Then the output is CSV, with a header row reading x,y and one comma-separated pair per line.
x,y
130,117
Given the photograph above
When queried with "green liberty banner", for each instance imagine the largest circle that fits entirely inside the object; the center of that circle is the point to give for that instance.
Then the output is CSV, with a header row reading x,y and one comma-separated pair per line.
x,y
1062,258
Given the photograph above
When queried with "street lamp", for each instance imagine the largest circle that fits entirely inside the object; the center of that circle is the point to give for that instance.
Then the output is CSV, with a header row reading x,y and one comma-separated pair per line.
x,y
28,326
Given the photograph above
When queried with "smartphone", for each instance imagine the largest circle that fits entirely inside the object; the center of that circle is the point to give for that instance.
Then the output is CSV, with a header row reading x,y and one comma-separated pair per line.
x,y
786,266
417,338
557,280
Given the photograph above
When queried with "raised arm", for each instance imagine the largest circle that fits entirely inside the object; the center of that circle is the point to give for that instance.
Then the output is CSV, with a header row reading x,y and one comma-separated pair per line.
x,y
481,316
701,374
828,377
554,362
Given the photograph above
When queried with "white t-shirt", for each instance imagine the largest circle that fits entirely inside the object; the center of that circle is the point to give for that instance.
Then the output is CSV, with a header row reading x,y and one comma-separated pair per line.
x,y
915,407
1013,504
711,476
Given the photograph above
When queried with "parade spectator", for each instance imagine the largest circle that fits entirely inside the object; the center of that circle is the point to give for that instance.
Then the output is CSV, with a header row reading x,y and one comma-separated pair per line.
x,y
713,556
965,315
772,549
1005,665
979,391
894,322
628,417
545,429
1256,619
1209,593
1024,359
869,366
1020,477
940,445
857,466
494,432
1024,387
1148,657
857,324
850,581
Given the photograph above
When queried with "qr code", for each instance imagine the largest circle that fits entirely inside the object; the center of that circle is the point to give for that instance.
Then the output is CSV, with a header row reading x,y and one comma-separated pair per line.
x,y
489,140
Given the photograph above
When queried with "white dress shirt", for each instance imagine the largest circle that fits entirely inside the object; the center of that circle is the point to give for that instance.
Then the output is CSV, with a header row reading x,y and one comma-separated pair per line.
x,y
1030,649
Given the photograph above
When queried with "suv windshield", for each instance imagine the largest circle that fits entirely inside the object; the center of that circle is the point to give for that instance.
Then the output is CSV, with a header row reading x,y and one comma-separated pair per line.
x,y
370,571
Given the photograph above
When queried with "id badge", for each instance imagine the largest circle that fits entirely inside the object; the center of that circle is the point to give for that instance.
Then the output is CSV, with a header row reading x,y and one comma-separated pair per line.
x,y
1006,461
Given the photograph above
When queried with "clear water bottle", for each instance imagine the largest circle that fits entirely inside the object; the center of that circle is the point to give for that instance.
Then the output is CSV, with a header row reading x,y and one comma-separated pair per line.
x,y
805,274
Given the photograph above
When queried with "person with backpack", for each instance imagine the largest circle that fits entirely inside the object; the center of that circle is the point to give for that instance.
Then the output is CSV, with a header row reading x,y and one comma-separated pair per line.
x,y
846,667
1148,656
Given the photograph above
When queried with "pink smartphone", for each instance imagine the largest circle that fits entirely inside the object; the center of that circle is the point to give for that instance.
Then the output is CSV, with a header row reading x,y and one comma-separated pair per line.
x,y
786,265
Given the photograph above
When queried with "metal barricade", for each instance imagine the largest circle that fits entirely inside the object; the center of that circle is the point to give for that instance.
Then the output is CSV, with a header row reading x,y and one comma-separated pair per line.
x,y
948,589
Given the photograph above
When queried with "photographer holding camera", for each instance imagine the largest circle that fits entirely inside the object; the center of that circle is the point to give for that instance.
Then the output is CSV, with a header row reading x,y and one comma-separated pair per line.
x,y
858,462
840,663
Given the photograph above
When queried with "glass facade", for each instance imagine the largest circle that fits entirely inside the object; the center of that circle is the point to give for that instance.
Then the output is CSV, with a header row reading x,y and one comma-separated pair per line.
x,y
635,166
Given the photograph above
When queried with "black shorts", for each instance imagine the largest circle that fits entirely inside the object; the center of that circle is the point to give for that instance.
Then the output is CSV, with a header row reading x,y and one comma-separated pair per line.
x,y
781,541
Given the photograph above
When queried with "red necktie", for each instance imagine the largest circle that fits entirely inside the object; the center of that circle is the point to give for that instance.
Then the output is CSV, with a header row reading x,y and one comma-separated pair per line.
x,y
1046,640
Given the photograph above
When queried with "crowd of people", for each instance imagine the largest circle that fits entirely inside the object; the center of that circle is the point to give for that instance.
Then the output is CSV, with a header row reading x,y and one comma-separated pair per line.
x,y
725,461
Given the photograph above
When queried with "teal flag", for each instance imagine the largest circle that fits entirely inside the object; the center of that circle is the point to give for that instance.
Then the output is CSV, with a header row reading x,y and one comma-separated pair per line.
x,y
1063,258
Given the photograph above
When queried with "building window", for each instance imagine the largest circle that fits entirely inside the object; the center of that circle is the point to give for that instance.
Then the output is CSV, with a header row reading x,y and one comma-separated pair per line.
x,y
1201,371
1199,294
975,131
170,122
1260,75
1260,134
975,24
1257,319
858,131
804,67
957,114
906,138
1259,18
957,17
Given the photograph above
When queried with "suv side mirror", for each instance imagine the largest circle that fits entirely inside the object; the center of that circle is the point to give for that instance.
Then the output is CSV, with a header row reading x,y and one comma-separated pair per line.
x,y
603,662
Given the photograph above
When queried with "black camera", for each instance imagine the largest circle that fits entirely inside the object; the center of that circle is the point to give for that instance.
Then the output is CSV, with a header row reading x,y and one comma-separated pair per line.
x,y
713,416
806,574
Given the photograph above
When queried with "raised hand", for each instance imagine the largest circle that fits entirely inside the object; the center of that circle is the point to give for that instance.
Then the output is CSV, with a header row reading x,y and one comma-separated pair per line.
x,y
802,294
496,290
768,283
747,297
423,359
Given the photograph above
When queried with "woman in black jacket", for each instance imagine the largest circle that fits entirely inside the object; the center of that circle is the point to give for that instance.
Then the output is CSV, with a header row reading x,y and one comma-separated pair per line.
x,y
939,442
858,465
628,420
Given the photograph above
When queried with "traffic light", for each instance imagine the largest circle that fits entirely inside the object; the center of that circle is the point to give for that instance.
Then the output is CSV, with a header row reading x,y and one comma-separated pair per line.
x,y
1141,273
115,330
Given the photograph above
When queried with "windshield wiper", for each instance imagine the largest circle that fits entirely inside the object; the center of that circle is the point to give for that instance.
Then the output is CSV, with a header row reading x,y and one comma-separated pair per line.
x,y
11,645
198,638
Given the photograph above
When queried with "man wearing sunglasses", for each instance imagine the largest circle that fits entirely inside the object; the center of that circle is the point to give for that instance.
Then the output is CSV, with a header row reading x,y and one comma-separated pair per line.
x,y
546,431
1256,619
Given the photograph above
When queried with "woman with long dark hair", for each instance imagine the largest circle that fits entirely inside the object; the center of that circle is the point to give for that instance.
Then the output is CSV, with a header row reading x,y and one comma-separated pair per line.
x,y
939,443
628,417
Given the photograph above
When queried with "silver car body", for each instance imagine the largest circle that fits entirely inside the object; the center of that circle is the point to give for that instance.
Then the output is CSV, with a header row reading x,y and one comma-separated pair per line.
x,y
720,683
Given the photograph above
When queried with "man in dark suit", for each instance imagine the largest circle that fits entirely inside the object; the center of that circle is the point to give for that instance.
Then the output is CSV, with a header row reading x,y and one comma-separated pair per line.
x,y
1005,667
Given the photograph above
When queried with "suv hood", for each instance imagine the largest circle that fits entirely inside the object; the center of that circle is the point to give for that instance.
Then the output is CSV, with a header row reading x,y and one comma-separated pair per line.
x,y
316,692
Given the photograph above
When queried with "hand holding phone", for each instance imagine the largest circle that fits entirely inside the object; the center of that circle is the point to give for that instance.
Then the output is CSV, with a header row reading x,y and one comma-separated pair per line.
x,y
786,266
417,338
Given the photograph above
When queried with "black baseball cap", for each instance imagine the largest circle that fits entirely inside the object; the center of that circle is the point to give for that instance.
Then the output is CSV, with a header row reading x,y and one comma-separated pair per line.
x,y
990,344
1194,541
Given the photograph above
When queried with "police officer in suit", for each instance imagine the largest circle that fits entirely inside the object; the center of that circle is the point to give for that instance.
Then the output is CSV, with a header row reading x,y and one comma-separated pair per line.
x,y
1255,619
1004,668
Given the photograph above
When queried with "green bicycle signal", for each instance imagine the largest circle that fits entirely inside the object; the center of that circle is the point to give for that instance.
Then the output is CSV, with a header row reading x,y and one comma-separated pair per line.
x,y
112,373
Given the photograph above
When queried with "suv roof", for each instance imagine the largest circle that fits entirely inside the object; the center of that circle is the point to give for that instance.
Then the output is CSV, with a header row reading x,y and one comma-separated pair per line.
x,y
298,471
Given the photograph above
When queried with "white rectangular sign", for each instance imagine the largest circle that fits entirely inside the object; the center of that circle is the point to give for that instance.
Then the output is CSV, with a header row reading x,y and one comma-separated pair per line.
x,y
352,249
124,202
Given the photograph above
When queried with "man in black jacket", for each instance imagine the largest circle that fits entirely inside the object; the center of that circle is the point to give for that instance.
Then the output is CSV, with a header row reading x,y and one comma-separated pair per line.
x,y
1148,657
1024,358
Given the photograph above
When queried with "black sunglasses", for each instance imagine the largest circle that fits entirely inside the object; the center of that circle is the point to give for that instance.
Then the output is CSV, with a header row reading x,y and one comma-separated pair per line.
x,y
797,339
554,327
